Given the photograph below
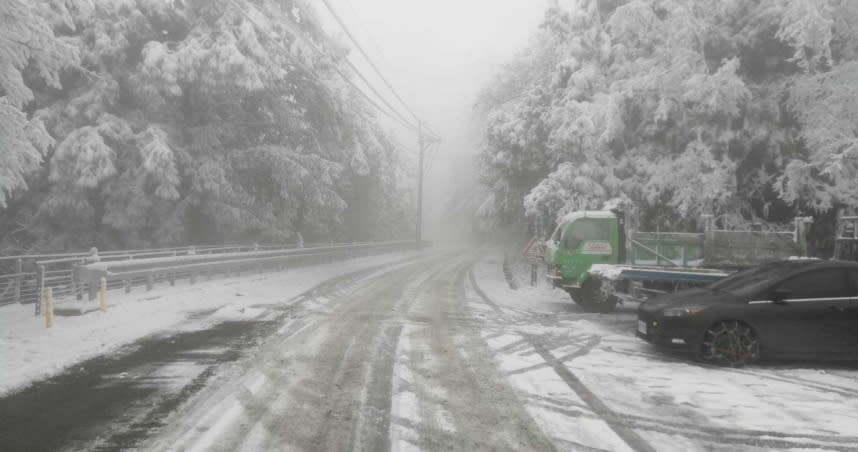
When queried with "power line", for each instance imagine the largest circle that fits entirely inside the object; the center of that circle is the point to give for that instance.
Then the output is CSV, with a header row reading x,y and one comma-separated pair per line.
x,y
395,115
423,139
367,32
379,52
319,78
426,130
366,55
399,116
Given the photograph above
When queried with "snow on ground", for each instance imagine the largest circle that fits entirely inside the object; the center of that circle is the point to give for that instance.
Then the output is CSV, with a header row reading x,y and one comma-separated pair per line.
x,y
29,351
542,298
665,399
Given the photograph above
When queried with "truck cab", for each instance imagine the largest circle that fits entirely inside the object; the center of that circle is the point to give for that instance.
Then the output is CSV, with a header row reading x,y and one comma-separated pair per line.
x,y
581,240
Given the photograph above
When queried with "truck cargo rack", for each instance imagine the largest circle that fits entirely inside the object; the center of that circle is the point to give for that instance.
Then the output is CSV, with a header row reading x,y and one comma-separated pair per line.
x,y
846,239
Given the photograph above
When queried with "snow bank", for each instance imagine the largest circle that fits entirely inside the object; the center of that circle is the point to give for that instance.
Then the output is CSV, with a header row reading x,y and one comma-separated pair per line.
x,y
544,297
570,217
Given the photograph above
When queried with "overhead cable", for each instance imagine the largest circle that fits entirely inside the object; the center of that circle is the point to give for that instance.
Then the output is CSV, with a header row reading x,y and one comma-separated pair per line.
x,y
367,57
319,79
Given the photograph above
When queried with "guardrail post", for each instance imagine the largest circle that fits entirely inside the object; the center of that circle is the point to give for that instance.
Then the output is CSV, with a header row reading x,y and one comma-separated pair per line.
x,y
102,295
93,256
194,276
150,281
48,300
19,268
172,277
91,288
78,282
127,283
40,282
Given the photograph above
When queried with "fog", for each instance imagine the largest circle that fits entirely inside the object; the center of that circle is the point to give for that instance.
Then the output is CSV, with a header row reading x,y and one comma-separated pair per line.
x,y
438,55
207,225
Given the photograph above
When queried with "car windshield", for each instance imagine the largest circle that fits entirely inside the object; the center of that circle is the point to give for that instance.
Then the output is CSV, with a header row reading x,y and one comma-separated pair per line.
x,y
751,280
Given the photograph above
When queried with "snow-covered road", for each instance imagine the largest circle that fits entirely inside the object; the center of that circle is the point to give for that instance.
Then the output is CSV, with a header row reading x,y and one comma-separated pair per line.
x,y
589,381
438,353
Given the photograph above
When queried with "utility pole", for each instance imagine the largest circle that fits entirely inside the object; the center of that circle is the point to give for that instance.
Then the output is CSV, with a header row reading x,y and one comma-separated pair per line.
x,y
423,143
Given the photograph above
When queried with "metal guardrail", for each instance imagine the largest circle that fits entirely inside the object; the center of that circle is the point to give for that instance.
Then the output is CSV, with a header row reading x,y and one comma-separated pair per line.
x,y
150,271
31,274
28,274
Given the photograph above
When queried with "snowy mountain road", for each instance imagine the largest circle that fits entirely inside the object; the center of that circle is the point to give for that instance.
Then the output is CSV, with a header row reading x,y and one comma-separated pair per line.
x,y
394,362
432,352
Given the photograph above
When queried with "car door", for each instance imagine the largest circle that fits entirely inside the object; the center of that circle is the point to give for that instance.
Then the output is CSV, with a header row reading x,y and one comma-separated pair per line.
x,y
810,318
850,315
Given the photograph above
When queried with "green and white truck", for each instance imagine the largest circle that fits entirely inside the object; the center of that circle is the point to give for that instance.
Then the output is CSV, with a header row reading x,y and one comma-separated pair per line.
x,y
600,263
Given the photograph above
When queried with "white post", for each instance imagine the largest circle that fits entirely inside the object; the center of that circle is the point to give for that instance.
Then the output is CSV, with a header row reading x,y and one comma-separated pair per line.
x,y
102,296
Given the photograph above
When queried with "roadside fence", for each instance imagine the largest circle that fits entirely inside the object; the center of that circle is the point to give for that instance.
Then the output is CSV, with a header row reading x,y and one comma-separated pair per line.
x,y
76,274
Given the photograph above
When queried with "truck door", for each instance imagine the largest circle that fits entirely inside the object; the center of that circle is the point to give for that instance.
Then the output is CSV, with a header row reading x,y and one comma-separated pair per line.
x,y
588,241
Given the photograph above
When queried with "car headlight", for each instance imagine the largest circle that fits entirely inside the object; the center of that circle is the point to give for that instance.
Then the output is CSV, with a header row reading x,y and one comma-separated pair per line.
x,y
682,312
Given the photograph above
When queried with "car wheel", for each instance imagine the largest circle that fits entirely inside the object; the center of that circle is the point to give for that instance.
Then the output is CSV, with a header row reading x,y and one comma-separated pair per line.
x,y
730,343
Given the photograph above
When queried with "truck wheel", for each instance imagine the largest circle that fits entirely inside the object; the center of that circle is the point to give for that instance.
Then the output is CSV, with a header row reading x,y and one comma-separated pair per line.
x,y
594,298
575,294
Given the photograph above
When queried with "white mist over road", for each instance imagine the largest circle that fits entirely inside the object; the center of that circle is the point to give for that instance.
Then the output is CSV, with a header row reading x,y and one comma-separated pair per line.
x,y
438,55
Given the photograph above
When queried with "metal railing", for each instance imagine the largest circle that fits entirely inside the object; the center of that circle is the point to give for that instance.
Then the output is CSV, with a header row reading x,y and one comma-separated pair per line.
x,y
71,274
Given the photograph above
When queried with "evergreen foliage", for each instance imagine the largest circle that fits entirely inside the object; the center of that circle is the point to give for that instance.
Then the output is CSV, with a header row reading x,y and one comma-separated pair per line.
x,y
152,122
744,109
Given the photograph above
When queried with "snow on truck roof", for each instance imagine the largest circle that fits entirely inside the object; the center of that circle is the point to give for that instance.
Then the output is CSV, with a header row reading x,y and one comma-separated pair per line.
x,y
570,217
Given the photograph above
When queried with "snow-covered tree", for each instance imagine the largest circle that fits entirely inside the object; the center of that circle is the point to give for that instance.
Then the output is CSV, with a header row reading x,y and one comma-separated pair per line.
x,y
196,120
742,109
30,54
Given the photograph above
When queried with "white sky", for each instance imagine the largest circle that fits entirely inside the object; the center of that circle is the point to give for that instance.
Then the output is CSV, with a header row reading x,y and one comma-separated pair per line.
x,y
438,54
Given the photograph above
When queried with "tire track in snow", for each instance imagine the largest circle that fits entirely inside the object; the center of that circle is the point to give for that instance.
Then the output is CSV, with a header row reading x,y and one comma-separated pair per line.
x,y
257,414
629,436
713,435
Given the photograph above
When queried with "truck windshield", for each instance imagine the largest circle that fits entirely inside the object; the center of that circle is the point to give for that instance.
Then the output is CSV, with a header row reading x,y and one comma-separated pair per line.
x,y
585,230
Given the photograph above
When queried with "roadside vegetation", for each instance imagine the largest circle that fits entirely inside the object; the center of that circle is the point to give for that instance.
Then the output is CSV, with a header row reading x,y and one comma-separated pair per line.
x,y
140,123
744,109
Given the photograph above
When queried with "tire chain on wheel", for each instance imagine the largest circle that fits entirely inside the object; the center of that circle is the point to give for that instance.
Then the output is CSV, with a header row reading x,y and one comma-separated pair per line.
x,y
743,344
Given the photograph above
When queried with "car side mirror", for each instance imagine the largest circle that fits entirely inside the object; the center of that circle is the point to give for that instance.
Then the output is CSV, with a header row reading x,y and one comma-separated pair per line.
x,y
779,296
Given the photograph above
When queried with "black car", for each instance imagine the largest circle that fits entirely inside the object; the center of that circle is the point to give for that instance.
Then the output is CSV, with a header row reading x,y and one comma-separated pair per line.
x,y
785,309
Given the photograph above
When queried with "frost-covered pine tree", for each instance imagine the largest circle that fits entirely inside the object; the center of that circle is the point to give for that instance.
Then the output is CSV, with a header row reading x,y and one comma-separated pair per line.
x,y
29,51
750,100
190,121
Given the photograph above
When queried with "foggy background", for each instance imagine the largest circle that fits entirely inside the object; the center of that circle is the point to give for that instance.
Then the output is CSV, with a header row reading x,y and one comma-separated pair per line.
x,y
438,55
